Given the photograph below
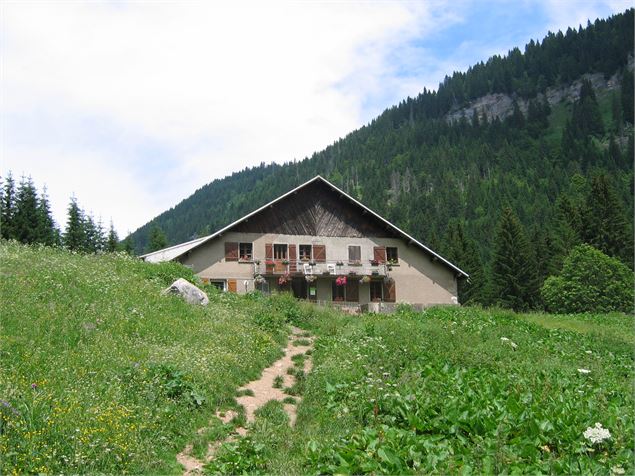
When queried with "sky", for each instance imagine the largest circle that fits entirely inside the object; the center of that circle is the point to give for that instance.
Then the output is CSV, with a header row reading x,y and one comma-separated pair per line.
x,y
130,106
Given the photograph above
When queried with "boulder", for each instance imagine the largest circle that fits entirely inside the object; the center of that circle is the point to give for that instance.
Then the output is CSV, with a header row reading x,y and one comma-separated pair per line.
x,y
187,291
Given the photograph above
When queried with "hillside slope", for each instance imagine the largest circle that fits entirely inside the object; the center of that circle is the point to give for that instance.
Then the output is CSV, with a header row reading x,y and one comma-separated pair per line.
x,y
419,172
99,373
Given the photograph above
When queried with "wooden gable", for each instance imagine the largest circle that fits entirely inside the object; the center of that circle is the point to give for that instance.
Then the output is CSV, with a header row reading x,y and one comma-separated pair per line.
x,y
316,210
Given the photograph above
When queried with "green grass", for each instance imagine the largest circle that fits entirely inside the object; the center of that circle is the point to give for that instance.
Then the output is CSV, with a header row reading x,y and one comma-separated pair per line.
x,y
99,373
440,392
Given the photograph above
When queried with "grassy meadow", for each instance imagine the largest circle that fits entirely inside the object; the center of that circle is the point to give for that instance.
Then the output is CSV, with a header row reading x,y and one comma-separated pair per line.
x,y
100,373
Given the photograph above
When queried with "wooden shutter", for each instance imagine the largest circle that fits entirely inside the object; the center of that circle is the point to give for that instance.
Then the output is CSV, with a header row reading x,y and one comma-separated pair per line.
x,y
352,290
390,291
231,251
319,253
268,251
379,254
293,259
231,285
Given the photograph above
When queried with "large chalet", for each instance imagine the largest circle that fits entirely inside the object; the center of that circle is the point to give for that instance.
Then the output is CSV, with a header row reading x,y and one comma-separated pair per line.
x,y
322,245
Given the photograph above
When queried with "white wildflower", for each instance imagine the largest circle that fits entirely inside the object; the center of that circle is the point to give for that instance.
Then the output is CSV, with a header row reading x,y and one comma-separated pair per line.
x,y
514,345
588,351
504,339
618,470
584,371
597,434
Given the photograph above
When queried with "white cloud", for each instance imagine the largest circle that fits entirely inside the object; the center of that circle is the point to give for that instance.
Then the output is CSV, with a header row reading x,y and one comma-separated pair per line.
x,y
219,87
134,105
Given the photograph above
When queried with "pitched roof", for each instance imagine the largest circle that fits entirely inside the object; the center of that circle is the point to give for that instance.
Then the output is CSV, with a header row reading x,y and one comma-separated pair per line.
x,y
175,251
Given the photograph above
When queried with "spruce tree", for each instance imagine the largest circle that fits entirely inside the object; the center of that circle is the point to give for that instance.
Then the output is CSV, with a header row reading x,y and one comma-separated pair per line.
x,y
627,95
8,209
25,219
604,221
112,242
586,115
514,281
157,239
47,232
462,251
74,238
91,234
128,244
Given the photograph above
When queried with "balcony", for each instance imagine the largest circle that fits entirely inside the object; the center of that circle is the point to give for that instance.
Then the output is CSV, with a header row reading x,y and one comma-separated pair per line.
x,y
326,268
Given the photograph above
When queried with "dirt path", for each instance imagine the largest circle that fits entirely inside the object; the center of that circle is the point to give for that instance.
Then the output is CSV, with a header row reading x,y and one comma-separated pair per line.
x,y
260,392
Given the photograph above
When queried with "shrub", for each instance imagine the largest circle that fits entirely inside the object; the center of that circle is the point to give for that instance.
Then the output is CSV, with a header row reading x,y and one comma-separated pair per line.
x,y
590,281
167,272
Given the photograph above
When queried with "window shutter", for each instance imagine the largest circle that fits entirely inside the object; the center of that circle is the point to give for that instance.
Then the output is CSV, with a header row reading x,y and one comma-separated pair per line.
x,y
390,292
268,250
379,254
352,290
231,251
319,253
231,285
293,259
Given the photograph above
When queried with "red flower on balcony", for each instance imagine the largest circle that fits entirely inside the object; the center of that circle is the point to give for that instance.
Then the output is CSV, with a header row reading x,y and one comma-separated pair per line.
x,y
340,281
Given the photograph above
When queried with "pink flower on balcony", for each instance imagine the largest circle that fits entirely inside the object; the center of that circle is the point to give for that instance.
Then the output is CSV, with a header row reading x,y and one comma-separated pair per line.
x,y
340,281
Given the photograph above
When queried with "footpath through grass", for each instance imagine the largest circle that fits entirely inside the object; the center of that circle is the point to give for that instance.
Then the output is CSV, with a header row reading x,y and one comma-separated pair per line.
x,y
454,391
99,373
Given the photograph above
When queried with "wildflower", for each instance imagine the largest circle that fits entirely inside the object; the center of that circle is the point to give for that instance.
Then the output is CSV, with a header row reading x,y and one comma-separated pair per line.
x,y
597,434
588,351
584,371
617,470
34,386
504,339
514,345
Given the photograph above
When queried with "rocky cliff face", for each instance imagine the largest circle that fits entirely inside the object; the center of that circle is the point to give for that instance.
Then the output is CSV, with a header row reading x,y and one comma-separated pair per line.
x,y
500,105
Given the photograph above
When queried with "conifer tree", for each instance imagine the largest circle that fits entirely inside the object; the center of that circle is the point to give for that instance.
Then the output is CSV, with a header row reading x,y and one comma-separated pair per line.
x,y
462,251
604,223
586,116
566,228
627,95
25,219
112,242
8,209
514,278
157,239
128,244
47,232
91,235
74,236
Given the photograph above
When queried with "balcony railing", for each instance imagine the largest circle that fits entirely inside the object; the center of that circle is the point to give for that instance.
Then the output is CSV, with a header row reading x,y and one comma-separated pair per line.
x,y
325,268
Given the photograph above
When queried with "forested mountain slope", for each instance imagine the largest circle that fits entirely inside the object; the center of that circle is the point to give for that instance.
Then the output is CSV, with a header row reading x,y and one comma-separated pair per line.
x,y
444,164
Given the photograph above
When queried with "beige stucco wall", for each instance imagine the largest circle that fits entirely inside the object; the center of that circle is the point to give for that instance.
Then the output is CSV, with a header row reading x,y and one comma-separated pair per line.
x,y
418,279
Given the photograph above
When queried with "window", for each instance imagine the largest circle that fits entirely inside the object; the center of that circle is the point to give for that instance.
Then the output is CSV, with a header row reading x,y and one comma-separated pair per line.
x,y
354,253
392,256
246,251
279,251
305,252
375,290
339,292
220,285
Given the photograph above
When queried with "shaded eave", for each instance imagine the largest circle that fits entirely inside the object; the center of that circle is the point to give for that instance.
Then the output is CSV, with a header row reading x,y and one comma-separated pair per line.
x,y
181,249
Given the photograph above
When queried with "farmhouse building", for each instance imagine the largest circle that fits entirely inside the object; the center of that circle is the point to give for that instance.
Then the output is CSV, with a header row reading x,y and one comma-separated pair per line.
x,y
321,244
